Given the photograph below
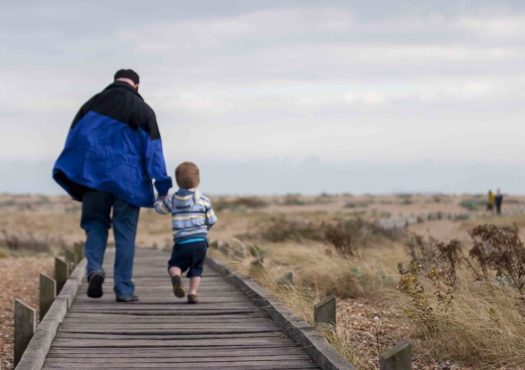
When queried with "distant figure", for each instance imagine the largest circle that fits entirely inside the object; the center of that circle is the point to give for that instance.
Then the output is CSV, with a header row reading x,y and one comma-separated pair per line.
x,y
113,151
192,218
490,202
499,201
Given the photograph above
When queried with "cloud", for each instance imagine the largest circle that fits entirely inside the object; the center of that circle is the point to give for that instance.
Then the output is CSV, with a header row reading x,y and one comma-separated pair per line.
x,y
339,80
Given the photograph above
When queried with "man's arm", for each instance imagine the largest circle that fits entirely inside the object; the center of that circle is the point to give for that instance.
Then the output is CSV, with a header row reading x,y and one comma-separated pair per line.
x,y
153,154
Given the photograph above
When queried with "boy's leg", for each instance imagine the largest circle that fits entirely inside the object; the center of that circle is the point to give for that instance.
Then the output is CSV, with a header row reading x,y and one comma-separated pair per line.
x,y
125,221
174,271
199,254
195,282
96,221
178,263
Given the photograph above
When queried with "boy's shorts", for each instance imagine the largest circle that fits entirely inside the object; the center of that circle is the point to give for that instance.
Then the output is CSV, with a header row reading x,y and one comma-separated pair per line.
x,y
189,256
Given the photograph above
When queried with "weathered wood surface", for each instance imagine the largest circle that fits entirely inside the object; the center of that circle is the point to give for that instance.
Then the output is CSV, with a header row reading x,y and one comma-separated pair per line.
x,y
47,294
226,330
398,357
25,323
325,311
61,273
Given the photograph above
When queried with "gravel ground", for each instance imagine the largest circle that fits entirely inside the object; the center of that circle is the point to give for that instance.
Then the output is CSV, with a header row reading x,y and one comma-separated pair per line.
x,y
20,281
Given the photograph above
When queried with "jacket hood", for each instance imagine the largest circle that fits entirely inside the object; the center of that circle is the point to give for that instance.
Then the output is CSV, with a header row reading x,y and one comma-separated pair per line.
x,y
185,198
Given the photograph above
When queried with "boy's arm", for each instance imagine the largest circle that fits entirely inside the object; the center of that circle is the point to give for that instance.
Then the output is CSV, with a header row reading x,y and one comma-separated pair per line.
x,y
163,205
211,219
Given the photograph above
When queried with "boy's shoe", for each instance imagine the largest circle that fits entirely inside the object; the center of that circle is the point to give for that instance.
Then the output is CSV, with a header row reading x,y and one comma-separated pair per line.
x,y
127,299
192,298
178,290
95,281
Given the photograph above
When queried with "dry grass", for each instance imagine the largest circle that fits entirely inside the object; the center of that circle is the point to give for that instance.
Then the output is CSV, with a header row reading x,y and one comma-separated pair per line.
x,y
19,280
482,327
476,324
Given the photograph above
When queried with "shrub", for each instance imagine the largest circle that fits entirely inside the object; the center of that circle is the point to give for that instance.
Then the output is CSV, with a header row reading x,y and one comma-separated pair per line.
x,y
293,200
500,249
351,204
473,203
29,242
280,229
406,199
345,235
239,203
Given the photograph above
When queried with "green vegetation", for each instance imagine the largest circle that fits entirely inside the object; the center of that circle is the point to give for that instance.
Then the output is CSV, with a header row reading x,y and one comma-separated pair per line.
x,y
473,203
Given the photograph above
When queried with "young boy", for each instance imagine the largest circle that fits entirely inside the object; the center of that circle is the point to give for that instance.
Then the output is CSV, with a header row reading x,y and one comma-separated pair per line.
x,y
192,218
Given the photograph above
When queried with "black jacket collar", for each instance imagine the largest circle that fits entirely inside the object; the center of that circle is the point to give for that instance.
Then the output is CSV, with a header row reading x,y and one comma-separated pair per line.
x,y
124,85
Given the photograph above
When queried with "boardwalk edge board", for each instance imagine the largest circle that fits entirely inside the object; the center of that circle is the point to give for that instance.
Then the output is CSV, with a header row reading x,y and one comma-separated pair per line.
x,y
298,330
37,349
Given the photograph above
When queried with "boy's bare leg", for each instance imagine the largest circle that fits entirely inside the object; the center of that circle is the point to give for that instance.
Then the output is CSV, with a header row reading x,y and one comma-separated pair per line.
x,y
194,284
176,281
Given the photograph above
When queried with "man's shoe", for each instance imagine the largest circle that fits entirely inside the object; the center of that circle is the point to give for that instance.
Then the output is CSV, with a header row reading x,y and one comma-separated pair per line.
x,y
129,298
95,281
178,290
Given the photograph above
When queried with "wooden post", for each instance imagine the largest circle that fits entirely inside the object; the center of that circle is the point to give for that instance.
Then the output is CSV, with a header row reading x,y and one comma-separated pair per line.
x,y
324,311
48,293
71,259
25,324
398,357
79,252
61,273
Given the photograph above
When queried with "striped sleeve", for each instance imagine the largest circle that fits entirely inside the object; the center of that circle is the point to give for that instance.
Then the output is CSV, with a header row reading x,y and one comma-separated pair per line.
x,y
211,219
163,205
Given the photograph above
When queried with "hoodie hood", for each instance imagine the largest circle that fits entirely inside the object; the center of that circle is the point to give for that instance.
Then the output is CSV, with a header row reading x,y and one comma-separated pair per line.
x,y
184,198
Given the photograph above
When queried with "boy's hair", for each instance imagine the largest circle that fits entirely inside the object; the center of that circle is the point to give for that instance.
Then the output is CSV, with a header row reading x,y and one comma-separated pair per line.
x,y
187,175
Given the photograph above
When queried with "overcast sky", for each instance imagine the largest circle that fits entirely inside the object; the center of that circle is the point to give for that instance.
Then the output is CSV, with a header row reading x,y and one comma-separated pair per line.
x,y
280,96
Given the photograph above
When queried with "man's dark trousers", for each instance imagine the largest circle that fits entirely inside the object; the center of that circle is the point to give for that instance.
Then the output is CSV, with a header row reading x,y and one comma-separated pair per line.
x,y
96,221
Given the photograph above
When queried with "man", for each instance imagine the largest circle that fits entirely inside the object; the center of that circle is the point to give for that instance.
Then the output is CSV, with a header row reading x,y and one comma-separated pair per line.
x,y
499,201
112,153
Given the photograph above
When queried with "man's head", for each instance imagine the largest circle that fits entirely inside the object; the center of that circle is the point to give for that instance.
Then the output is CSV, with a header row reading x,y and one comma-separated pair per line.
x,y
187,175
129,76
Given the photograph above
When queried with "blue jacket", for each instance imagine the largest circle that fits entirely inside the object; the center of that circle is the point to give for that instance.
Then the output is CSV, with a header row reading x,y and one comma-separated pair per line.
x,y
114,145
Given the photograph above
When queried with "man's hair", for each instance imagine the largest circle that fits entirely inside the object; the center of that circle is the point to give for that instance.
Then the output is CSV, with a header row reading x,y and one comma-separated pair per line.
x,y
187,175
127,73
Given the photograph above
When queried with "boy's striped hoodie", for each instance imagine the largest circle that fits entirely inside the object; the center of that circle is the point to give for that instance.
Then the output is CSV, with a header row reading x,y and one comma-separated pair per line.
x,y
192,214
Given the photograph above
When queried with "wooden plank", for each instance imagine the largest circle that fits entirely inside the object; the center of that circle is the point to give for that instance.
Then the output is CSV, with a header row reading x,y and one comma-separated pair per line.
x,y
398,357
47,294
137,319
61,273
179,353
167,336
173,313
187,342
173,357
267,365
316,346
79,252
25,324
226,330
156,300
169,326
71,259
324,311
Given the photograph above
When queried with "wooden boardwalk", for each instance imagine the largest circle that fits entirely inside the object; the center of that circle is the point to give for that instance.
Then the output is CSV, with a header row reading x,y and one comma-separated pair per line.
x,y
226,330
